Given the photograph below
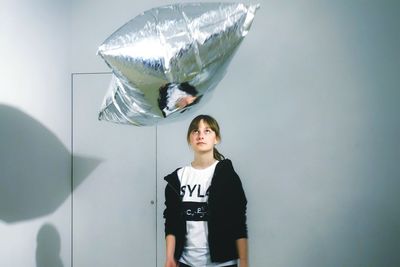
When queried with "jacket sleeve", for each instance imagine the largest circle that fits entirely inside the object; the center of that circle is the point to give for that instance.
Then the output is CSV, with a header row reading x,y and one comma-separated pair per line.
x,y
240,204
171,212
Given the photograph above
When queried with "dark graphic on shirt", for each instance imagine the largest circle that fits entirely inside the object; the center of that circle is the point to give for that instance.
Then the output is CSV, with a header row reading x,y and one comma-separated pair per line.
x,y
194,191
195,211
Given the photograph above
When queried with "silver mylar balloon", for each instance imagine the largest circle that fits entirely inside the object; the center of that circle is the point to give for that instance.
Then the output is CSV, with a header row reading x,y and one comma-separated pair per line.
x,y
168,59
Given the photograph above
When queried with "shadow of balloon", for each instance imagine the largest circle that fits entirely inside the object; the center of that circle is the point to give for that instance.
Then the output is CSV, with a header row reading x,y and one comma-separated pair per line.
x,y
35,168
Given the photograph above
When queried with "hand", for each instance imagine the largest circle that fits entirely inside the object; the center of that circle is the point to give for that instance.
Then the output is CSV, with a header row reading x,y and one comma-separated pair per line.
x,y
170,262
243,263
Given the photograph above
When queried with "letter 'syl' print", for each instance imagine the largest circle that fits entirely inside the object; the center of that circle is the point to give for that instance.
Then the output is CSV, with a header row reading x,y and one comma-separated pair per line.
x,y
194,191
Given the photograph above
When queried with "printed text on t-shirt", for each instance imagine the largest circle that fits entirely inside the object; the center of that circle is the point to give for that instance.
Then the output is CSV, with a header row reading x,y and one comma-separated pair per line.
x,y
190,189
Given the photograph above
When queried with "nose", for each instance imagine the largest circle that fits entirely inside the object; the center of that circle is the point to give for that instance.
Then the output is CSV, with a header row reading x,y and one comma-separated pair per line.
x,y
200,135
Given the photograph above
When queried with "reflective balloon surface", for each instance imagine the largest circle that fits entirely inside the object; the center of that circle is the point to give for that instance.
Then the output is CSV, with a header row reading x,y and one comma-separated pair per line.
x,y
168,60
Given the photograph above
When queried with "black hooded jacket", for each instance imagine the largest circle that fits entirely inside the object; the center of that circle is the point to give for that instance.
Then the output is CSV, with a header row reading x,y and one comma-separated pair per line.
x,y
226,213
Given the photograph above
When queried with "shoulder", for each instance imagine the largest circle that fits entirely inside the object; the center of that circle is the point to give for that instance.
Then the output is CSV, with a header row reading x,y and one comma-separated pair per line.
x,y
224,170
177,174
172,175
226,177
225,165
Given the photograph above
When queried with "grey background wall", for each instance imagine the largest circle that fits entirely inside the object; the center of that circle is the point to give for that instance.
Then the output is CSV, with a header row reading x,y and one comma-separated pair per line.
x,y
114,179
35,207
309,116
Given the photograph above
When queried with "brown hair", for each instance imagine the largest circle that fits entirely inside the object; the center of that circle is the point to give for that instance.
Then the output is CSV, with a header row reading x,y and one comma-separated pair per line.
x,y
194,125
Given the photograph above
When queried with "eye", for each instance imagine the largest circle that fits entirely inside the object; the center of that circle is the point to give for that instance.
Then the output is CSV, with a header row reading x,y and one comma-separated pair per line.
x,y
208,131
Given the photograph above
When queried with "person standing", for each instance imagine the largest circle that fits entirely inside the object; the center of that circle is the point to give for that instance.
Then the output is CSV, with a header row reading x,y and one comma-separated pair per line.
x,y
205,213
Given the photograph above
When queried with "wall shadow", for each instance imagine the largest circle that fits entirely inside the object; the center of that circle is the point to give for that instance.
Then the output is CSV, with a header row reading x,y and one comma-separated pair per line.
x,y
48,247
35,167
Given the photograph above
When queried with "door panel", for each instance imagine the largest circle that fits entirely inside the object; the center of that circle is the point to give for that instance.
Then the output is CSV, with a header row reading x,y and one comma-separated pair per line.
x,y
114,215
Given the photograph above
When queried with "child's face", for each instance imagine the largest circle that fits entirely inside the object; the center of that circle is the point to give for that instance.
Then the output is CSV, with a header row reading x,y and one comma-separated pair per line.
x,y
203,138
185,101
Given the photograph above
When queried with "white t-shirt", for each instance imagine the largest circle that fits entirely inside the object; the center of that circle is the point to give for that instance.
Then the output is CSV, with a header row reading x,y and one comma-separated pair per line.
x,y
195,184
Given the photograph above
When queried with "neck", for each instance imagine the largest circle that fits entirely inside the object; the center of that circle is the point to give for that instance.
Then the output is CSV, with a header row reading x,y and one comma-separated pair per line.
x,y
202,161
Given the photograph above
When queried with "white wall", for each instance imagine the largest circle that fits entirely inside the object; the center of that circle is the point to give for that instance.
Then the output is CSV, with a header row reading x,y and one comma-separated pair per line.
x,y
35,133
311,126
308,116
114,181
